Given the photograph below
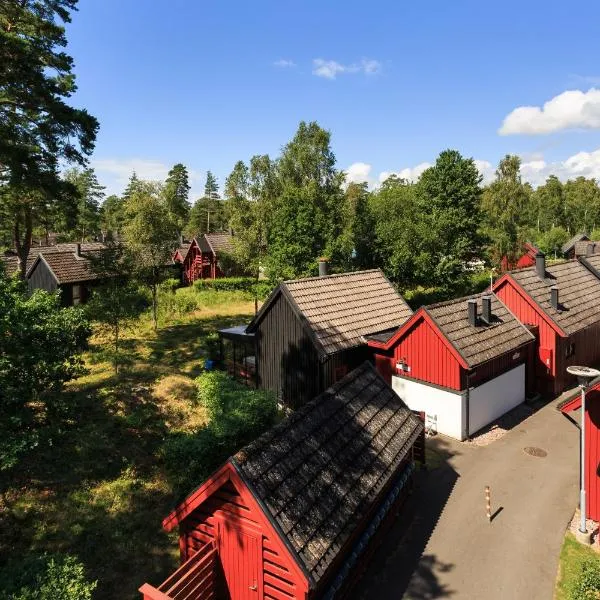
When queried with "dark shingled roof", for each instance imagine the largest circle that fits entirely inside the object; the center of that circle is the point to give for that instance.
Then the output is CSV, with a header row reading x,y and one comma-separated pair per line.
x,y
484,341
340,310
220,242
382,336
581,248
578,293
321,470
580,237
68,268
11,264
183,249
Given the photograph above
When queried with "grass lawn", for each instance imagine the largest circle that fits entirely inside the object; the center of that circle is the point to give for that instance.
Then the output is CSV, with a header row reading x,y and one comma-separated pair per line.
x,y
572,555
97,488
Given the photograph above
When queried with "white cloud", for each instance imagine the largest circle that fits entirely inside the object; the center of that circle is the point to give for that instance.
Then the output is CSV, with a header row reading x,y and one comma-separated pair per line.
x,y
283,63
408,173
486,169
330,69
358,172
572,109
115,173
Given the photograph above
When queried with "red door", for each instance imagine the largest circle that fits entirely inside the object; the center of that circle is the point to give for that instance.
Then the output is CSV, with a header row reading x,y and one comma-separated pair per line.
x,y
240,555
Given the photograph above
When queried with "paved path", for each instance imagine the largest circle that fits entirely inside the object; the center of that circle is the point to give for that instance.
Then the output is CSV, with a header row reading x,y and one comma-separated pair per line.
x,y
450,549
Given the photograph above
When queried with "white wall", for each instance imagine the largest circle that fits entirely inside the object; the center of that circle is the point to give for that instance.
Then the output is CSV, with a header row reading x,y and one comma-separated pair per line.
x,y
496,397
486,402
447,406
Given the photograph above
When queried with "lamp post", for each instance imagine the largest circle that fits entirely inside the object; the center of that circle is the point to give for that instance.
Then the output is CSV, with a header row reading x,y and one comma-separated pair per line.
x,y
584,376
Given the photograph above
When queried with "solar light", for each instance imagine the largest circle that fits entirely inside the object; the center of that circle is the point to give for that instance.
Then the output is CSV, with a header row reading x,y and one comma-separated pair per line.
x,y
584,377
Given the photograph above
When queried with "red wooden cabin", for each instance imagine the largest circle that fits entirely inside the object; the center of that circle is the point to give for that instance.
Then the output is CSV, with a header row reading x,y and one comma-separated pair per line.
x,y
463,362
562,302
592,446
527,259
202,257
296,514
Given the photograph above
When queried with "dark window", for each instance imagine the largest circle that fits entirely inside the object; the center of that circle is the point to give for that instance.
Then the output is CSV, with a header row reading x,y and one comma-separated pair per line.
x,y
570,350
76,294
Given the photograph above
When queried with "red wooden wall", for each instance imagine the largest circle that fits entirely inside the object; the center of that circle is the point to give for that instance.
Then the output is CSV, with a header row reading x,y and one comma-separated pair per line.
x,y
592,431
248,550
423,349
527,312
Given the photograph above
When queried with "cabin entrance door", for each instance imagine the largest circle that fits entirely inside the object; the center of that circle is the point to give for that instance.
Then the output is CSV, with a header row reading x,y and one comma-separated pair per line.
x,y
240,555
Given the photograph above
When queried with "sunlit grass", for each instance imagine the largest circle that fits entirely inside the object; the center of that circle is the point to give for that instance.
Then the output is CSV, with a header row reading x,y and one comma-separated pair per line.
x,y
572,556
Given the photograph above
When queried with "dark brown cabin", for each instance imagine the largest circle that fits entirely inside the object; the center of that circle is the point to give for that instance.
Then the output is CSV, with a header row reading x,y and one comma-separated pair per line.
x,y
297,514
311,332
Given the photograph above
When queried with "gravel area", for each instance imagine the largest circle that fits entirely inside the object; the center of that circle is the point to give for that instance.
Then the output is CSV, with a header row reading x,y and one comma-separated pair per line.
x,y
591,526
498,428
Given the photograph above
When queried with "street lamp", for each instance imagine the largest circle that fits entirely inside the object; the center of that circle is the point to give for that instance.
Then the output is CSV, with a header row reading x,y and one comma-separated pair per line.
x,y
584,376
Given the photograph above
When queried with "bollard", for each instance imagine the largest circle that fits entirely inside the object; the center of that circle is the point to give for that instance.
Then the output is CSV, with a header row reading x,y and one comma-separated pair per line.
x,y
488,504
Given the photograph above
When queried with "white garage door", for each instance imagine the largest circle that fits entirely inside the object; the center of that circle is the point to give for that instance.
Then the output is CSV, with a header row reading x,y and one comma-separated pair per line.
x,y
496,397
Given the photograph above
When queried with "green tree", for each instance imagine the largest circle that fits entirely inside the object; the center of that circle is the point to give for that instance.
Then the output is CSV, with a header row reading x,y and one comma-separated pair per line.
x,y
503,207
118,301
551,241
249,197
550,202
582,205
177,191
40,350
90,194
112,215
395,222
211,187
151,235
448,201
307,213
39,130
132,186
359,225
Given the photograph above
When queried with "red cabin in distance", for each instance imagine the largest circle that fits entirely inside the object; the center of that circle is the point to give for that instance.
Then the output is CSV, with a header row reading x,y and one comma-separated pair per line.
x,y
296,514
527,259
561,302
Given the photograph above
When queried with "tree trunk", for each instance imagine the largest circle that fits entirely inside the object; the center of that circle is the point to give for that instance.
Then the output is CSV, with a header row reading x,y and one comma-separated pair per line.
x,y
256,291
23,246
155,305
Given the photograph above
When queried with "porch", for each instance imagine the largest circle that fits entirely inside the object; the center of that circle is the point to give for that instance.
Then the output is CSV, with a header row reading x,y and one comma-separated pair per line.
x,y
237,354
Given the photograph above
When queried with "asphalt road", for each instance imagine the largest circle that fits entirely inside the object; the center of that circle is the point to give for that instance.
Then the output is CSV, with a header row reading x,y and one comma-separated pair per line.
x,y
444,546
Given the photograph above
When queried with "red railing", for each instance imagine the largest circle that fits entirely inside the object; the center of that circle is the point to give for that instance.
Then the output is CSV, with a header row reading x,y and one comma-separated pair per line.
x,y
194,580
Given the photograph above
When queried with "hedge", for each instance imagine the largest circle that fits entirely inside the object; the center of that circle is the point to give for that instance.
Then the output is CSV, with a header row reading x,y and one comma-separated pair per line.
x,y
262,288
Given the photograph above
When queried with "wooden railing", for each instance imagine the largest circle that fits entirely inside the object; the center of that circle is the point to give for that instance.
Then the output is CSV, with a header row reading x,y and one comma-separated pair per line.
x,y
194,580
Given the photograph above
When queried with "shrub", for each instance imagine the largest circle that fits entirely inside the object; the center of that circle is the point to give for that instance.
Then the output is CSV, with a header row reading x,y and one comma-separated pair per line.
x,y
237,415
170,285
46,577
587,584
262,288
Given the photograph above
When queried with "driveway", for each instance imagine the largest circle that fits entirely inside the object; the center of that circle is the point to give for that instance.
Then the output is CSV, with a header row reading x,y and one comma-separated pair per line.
x,y
449,549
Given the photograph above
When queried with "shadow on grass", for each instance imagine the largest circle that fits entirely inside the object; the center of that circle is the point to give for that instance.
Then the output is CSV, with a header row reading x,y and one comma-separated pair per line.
x,y
95,486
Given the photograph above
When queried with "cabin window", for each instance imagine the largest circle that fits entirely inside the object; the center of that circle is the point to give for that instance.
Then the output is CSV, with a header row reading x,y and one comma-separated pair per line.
x,y
339,373
570,350
76,294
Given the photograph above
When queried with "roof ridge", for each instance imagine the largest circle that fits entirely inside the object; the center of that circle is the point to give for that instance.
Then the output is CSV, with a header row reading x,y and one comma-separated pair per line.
x,y
332,275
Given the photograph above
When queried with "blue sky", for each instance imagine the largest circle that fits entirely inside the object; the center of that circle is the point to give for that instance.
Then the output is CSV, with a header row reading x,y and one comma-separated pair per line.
x,y
209,83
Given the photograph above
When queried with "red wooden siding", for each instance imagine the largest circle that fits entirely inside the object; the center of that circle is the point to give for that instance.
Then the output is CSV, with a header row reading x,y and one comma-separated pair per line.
x,y
529,314
248,548
592,479
527,259
427,354
586,351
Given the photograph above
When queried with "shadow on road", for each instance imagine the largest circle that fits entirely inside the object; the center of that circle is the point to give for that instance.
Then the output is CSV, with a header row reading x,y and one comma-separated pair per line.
x,y
399,568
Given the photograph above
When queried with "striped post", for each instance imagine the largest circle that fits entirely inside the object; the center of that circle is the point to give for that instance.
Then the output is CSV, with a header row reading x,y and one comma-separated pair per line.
x,y
488,503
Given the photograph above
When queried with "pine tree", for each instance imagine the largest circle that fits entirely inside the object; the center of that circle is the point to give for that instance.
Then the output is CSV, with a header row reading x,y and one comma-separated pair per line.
x,y
211,187
177,191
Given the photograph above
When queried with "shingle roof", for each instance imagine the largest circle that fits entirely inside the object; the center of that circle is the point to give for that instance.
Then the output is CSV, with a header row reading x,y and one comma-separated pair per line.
x,y
220,242
578,293
484,341
68,268
321,470
581,248
11,264
571,243
183,249
341,310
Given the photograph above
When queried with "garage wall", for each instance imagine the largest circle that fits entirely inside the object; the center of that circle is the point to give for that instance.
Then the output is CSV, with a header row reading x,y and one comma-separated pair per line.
x,y
496,397
448,407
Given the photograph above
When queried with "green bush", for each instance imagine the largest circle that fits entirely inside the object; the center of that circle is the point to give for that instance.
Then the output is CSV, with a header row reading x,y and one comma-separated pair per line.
x,y
170,285
237,415
46,577
587,584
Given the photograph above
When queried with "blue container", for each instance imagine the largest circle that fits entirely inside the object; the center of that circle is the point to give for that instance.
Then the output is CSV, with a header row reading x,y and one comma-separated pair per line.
x,y
209,365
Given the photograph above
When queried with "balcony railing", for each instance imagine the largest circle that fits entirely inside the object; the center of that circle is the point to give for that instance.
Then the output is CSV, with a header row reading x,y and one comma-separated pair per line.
x,y
194,580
